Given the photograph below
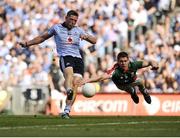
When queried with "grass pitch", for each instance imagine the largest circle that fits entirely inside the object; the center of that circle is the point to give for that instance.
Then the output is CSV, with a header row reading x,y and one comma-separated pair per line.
x,y
116,126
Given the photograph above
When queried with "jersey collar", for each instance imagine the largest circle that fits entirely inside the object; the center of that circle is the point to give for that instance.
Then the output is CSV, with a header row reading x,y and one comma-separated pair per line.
x,y
64,25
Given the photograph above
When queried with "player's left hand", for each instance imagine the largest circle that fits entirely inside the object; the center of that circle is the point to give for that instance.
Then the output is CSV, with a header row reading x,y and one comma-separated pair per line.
x,y
84,37
154,66
80,82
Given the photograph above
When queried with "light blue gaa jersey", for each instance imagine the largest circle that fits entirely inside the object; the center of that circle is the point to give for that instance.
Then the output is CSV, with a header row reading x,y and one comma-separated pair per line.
x,y
67,41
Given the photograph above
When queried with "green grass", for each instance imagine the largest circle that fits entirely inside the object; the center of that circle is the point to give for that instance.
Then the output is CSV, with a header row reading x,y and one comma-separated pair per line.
x,y
119,126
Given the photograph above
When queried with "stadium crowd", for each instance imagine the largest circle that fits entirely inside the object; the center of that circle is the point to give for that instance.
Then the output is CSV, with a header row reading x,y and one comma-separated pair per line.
x,y
147,29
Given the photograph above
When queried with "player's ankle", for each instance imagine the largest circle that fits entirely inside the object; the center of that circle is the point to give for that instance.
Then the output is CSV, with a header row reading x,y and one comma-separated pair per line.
x,y
67,109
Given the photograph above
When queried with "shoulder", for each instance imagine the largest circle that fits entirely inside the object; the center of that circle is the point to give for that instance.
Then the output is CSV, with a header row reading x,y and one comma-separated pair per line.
x,y
110,71
55,26
133,61
118,70
135,64
77,28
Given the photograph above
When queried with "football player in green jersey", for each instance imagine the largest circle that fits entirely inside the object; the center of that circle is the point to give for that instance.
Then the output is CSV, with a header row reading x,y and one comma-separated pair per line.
x,y
123,74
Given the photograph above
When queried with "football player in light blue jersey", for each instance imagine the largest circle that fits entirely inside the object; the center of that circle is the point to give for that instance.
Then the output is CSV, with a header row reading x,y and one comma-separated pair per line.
x,y
67,37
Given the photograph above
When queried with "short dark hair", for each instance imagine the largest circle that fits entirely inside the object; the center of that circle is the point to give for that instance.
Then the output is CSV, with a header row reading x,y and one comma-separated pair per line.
x,y
122,54
72,12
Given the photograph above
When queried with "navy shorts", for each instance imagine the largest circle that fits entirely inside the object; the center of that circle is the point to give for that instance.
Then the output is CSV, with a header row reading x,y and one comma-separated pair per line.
x,y
76,63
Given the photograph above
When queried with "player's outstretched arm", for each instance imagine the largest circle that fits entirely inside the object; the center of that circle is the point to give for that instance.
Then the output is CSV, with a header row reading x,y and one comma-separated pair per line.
x,y
95,79
153,64
37,40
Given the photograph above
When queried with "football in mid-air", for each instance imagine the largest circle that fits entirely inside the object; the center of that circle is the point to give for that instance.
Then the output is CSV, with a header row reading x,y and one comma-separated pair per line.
x,y
88,90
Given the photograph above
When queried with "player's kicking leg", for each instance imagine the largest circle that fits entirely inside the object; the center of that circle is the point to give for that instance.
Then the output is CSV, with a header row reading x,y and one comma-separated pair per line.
x,y
72,97
74,69
68,75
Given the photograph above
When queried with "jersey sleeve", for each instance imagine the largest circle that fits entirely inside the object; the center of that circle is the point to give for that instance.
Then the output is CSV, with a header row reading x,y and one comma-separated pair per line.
x,y
82,32
110,71
138,64
51,30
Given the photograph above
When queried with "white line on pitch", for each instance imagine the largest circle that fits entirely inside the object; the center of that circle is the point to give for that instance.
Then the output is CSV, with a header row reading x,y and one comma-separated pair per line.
x,y
95,124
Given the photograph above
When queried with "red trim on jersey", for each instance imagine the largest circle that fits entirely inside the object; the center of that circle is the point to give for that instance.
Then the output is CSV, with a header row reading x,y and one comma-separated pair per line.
x,y
112,69
135,77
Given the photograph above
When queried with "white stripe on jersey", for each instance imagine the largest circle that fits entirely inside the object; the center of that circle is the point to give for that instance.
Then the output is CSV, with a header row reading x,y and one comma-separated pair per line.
x,y
62,63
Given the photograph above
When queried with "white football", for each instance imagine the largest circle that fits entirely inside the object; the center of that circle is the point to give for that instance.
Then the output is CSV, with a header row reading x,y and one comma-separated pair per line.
x,y
88,90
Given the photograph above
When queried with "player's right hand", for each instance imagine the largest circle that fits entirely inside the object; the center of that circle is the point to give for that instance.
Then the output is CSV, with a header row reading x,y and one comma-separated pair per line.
x,y
154,65
23,44
154,68
80,82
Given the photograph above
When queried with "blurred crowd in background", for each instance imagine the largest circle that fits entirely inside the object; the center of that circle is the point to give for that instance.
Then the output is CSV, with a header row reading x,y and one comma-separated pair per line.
x,y
146,29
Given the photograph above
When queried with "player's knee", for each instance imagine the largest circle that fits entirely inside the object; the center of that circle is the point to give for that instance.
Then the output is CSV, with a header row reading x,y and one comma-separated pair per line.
x,y
75,82
140,82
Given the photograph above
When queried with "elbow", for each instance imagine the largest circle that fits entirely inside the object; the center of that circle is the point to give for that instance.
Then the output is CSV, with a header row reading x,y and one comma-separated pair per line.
x,y
94,41
101,78
42,40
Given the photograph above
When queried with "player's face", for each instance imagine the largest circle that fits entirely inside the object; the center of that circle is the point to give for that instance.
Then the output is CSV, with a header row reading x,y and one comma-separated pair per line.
x,y
123,62
71,21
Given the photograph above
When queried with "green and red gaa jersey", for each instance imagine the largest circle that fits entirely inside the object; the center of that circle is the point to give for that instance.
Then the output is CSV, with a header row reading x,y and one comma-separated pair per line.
x,y
120,76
